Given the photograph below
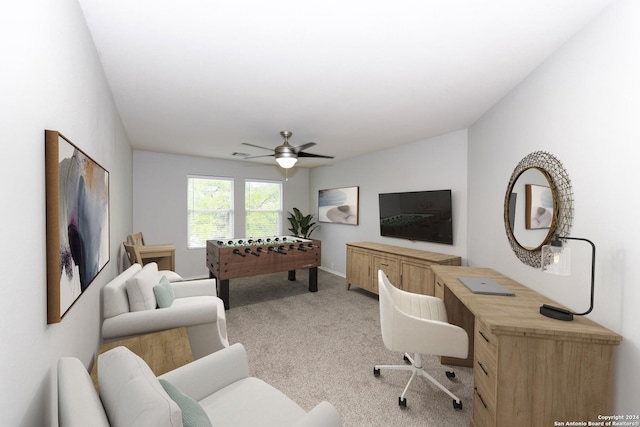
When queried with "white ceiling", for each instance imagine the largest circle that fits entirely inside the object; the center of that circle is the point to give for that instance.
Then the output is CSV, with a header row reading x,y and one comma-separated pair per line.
x,y
199,77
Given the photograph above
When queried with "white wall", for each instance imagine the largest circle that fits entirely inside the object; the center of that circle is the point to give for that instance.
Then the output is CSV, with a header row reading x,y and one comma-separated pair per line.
x,y
438,163
582,105
50,78
160,199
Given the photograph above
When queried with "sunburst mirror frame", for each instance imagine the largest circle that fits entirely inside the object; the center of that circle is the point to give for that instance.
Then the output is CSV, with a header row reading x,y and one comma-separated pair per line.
x,y
562,192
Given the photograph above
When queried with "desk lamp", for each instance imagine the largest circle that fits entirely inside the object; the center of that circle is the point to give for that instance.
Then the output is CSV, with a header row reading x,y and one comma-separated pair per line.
x,y
556,259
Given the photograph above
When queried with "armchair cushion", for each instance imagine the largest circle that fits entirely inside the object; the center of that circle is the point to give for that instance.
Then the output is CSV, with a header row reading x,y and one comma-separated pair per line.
x,y
131,394
140,288
192,413
163,292
269,406
114,293
171,275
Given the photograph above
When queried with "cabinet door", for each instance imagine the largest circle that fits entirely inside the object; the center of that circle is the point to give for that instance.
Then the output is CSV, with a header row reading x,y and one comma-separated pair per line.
x,y
358,268
389,266
417,277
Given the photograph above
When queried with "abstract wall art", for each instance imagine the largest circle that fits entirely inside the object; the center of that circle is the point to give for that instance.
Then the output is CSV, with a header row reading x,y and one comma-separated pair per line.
x,y
338,205
77,214
539,206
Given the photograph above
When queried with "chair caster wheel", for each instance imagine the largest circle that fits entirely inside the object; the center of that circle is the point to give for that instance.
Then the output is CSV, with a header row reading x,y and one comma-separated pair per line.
x,y
457,405
450,374
376,372
402,402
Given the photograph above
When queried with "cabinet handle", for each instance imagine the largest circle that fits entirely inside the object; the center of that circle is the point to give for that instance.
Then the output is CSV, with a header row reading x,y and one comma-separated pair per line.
x,y
483,369
480,397
386,265
483,336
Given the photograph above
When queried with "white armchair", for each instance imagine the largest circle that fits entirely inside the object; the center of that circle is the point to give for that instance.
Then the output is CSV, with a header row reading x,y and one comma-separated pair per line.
x,y
129,308
214,390
415,323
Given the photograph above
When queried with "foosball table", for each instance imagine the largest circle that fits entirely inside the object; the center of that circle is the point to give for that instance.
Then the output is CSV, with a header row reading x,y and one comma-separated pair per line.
x,y
231,259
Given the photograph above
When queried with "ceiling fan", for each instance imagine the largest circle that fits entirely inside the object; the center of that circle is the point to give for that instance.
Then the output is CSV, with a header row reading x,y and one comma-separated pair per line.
x,y
287,155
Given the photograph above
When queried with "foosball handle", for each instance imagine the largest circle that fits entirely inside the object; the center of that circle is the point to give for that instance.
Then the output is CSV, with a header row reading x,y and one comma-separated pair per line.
x,y
249,251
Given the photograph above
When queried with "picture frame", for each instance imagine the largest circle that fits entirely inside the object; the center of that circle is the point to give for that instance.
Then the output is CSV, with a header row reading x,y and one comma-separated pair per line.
x,y
77,223
538,207
339,205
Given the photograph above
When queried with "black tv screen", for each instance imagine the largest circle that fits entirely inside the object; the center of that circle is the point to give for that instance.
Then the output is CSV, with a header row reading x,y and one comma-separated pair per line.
x,y
417,215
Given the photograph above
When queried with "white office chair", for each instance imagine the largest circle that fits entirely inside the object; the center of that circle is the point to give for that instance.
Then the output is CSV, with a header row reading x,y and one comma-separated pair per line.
x,y
415,323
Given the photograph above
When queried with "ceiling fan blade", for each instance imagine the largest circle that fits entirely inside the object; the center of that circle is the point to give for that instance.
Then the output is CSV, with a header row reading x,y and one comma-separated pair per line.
x,y
299,148
303,154
255,157
257,146
286,150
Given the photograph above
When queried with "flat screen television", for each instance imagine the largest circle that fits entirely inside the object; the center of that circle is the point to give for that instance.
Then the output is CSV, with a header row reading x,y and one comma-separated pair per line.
x,y
417,215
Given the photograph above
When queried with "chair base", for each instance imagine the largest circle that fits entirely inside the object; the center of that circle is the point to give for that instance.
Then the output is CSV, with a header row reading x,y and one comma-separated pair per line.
x,y
417,370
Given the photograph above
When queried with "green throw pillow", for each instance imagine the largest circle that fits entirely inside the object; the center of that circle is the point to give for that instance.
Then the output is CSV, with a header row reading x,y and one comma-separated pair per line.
x,y
164,293
192,413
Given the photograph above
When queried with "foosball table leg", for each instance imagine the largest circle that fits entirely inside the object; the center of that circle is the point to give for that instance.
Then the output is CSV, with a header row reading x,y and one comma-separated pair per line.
x,y
224,292
313,279
292,275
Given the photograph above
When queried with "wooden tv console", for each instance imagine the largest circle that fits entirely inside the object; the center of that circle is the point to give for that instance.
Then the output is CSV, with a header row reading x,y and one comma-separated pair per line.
x,y
406,268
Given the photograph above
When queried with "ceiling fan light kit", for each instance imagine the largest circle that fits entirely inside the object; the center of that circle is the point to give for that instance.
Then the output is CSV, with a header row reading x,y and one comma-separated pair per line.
x,y
286,162
287,155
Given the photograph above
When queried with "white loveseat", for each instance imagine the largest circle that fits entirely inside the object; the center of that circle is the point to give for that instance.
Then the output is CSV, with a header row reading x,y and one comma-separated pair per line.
x,y
129,308
214,390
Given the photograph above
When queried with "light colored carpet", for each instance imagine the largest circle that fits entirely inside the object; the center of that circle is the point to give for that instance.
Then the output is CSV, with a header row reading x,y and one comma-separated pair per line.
x,y
323,346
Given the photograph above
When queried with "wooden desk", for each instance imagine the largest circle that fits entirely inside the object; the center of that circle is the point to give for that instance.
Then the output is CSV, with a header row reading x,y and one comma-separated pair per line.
x,y
529,370
163,255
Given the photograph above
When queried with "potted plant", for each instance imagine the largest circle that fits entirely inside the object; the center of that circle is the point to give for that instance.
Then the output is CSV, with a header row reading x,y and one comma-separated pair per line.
x,y
301,225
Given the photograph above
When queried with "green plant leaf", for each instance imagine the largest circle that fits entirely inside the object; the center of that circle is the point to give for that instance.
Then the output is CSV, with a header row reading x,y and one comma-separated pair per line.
x,y
301,224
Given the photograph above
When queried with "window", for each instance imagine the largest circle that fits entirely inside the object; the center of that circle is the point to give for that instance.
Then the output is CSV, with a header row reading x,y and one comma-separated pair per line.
x,y
210,210
263,206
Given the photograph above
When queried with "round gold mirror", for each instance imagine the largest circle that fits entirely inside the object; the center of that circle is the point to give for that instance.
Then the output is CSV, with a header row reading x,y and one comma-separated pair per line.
x,y
538,205
532,213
